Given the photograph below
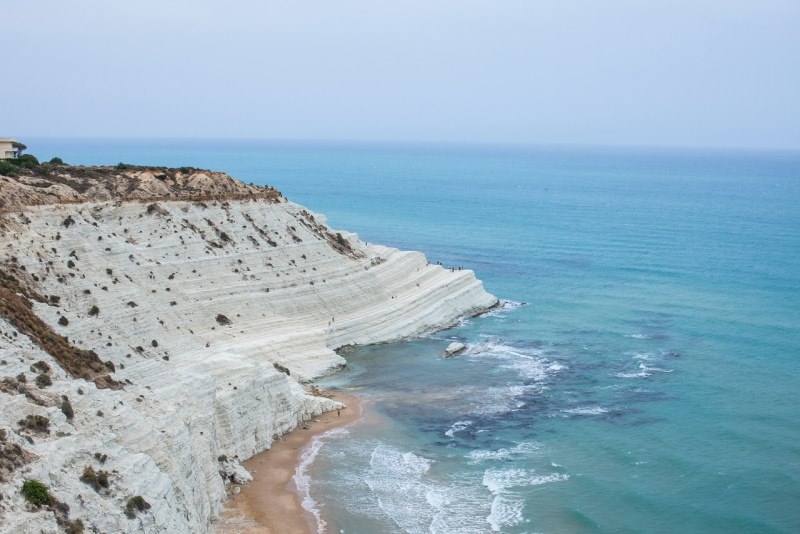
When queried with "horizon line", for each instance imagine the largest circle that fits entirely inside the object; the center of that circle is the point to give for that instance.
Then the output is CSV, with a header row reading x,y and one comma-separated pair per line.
x,y
424,142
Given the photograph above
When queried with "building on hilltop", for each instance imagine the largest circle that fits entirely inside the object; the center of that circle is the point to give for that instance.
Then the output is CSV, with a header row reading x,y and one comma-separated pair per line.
x,y
10,148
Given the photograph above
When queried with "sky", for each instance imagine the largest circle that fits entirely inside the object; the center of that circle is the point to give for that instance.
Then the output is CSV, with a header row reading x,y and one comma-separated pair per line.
x,y
691,73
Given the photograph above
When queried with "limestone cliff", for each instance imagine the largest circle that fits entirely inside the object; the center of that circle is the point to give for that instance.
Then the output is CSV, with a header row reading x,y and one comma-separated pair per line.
x,y
182,315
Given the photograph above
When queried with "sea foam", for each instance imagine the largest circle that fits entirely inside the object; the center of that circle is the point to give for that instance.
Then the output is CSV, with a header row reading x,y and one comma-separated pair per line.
x,y
303,480
508,502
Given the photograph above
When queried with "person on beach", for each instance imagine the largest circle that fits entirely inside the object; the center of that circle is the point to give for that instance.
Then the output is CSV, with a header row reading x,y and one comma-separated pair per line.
x,y
338,412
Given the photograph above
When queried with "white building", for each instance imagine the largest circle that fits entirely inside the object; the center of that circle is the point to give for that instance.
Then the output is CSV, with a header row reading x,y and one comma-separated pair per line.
x,y
10,148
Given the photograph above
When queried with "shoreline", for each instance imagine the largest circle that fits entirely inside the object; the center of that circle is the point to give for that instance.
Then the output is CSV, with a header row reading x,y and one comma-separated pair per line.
x,y
271,503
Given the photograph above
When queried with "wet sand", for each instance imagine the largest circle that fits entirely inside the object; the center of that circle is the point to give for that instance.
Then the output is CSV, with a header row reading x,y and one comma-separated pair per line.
x,y
270,504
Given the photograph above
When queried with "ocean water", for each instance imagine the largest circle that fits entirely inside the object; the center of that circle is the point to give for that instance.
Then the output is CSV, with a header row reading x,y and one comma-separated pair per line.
x,y
642,375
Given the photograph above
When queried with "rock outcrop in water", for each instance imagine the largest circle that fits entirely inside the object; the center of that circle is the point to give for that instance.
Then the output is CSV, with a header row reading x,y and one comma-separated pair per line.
x,y
159,325
454,349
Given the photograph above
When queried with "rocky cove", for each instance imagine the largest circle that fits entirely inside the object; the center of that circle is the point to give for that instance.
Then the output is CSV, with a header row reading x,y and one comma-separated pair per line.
x,y
159,326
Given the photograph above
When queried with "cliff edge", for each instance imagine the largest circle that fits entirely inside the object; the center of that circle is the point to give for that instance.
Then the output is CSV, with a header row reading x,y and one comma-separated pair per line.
x,y
157,326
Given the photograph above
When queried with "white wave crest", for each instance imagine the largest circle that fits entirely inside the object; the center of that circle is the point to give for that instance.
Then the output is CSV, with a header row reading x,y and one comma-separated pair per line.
x,y
303,480
638,336
587,410
504,307
644,372
458,426
524,449
396,478
507,505
646,356
528,362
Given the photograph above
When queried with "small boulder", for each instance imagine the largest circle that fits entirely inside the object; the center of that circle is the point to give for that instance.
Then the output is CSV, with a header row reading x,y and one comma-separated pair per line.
x,y
232,471
454,349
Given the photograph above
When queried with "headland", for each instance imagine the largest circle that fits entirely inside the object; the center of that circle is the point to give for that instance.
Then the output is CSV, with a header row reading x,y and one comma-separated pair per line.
x,y
159,327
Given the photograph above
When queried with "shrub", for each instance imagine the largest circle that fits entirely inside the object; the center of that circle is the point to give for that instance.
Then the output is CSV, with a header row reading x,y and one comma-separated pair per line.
x,y
43,380
96,479
39,423
223,320
7,169
135,505
63,321
154,343
66,409
73,527
94,310
281,368
40,366
35,493
27,161
56,161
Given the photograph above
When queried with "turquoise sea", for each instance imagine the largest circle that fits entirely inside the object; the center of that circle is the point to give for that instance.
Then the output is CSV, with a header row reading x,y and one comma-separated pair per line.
x,y
642,376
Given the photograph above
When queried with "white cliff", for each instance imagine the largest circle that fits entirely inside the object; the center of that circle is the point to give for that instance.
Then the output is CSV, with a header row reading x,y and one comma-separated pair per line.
x,y
196,302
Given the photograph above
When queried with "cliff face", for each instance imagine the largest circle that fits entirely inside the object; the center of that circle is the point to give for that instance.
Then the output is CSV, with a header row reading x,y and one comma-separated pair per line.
x,y
191,303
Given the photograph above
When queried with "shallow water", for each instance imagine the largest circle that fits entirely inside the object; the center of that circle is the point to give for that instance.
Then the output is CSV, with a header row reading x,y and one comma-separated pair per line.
x,y
642,377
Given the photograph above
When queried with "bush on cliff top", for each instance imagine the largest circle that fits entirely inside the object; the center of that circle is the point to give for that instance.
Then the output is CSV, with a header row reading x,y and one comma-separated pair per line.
x,y
7,169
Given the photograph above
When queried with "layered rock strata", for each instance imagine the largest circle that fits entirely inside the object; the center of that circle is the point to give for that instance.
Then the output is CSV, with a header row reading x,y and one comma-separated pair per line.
x,y
212,308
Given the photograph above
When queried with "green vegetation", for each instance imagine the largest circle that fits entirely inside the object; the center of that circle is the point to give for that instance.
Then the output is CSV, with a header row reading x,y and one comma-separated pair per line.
x,y
43,380
135,505
40,367
96,479
25,161
16,308
36,493
37,423
66,408
7,169
281,368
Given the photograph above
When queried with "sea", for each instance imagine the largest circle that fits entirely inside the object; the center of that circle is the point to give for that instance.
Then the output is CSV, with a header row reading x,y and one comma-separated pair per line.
x,y
641,375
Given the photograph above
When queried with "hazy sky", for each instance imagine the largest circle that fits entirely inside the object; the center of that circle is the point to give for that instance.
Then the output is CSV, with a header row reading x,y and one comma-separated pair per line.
x,y
638,72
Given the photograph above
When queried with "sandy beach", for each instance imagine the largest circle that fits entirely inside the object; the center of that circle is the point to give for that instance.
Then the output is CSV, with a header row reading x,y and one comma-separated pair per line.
x,y
270,504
